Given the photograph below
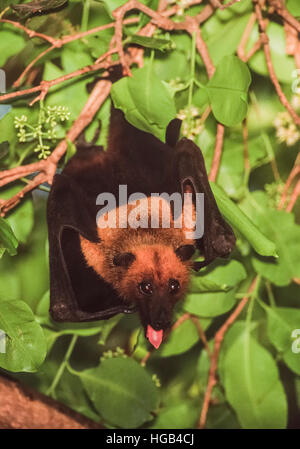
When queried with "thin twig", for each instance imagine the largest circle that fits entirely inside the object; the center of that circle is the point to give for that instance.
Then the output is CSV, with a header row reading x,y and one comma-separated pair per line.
x,y
217,153
284,13
32,33
268,57
65,40
294,172
201,333
294,197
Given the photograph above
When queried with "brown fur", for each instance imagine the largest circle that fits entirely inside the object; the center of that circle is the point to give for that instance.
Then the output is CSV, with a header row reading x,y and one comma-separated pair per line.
x,y
154,251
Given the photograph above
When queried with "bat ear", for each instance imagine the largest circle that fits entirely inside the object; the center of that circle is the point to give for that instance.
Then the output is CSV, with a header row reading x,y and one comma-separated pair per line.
x,y
124,260
185,252
173,131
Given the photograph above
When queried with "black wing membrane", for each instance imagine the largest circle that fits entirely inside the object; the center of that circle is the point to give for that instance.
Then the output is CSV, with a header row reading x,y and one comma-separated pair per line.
x,y
145,164
218,239
76,291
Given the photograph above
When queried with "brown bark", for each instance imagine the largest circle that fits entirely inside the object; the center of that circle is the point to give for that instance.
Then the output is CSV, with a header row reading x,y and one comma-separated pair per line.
x,y
23,408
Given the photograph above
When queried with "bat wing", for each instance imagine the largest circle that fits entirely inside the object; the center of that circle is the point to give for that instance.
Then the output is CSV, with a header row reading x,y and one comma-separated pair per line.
x,y
218,239
77,293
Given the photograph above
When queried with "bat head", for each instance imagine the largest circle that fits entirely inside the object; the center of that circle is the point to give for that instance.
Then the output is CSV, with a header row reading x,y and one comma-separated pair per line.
x,y
156,277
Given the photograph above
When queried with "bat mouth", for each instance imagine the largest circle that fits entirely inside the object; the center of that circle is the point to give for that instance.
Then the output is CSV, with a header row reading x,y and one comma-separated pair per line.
x,y
154,336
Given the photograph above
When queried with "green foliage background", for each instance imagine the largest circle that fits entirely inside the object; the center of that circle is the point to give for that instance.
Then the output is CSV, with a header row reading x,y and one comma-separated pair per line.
x,y
83,365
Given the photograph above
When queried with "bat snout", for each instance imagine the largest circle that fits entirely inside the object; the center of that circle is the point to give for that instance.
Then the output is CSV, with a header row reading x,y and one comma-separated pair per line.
x,y
158,316
161,323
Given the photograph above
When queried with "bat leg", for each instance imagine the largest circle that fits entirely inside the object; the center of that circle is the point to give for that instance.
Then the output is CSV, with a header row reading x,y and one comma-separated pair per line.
x,y
82,143
218,238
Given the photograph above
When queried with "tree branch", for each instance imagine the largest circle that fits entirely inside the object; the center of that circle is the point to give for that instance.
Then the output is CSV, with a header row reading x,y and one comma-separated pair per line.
x,y
23,408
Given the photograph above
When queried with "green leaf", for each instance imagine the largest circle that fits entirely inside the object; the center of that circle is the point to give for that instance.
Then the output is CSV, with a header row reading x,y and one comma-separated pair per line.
x,y
200,284
223,38
152,42
221,416
73,95
211,304
294,7
25,340
180,340
243,224
4,148
226,273
11,43
8,239
121,391
31,266
228,89
182,415
20,219
232,169
10,285
145,101
171,65
69,390
281,228
252,384
282,323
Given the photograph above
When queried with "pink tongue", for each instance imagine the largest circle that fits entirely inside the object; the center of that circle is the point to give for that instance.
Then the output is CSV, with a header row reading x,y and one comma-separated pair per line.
x,y
155,337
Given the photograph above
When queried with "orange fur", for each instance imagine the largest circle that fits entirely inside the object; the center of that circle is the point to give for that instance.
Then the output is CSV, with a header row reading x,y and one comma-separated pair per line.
x,y
158,263
154,250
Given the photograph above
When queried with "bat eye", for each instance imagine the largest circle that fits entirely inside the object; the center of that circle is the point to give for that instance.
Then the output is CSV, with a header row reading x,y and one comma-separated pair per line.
x,y
174,286
145,288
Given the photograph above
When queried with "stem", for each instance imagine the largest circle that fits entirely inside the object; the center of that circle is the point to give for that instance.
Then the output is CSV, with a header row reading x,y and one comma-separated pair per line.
x,y
62,367
72,371
85,15
270,294
252,299
3,12
152,55
41,187
41,119
250,310
192,76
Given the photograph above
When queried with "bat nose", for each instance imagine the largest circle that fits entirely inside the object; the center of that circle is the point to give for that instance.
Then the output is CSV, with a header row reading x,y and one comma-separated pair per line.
x,y
160,324
161,321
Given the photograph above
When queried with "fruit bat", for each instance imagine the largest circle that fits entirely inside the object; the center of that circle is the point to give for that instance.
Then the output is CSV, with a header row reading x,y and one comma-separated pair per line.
x,y
100,266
